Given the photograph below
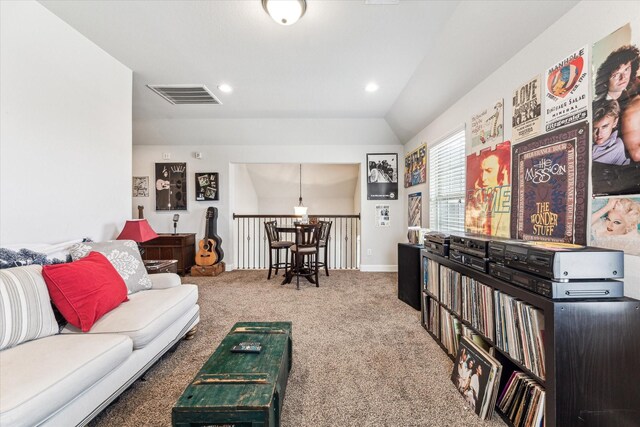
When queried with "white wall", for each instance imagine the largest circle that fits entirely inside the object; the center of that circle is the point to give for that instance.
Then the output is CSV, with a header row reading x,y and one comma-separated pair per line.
x,y
382,241
65,139
585,24
245,201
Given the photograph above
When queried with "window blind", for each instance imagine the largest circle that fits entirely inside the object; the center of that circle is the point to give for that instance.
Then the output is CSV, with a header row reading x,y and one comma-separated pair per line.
x,y
447,184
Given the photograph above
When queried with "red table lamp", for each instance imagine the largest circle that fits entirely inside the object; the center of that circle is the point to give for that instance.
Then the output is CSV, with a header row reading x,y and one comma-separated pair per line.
x,y
137,230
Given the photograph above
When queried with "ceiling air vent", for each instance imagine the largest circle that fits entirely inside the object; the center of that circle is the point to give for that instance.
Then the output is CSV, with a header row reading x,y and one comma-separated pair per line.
x,y
185,94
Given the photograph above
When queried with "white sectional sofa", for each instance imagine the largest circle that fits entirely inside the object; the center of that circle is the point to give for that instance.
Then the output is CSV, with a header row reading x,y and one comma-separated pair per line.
x,y
66,379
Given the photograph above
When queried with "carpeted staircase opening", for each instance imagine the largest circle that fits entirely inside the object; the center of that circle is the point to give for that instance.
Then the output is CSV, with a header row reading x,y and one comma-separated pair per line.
x,y
360,355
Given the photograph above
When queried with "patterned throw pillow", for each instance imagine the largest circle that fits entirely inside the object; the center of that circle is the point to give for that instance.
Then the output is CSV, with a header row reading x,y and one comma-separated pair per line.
x,y
25,307
124,256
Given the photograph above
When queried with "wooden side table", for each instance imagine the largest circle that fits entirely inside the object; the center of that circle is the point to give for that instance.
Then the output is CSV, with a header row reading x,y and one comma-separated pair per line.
x,y
161,266
181,247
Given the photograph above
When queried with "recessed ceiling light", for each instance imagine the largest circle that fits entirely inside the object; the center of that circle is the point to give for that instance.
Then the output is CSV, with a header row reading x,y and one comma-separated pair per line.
x,y
225,88
371,87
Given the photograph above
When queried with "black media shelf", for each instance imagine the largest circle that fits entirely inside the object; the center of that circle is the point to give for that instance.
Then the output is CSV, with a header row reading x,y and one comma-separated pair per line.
x,y
591,352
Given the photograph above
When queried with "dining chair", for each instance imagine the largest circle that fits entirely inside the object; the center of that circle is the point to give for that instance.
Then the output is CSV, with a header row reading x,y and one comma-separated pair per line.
x,y
305,249
275,244
324,236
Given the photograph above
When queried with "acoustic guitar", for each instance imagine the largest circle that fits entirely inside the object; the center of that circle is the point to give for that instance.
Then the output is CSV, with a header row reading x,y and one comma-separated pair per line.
x,y
206,247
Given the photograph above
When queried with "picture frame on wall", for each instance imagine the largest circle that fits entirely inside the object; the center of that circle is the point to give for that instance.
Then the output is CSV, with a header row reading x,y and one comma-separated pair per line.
x,y
140,186
171,186
207,186
382,176
415,167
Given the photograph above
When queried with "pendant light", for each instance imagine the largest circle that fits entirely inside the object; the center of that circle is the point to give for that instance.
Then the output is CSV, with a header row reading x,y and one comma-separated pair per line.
x,y
285,12
300,210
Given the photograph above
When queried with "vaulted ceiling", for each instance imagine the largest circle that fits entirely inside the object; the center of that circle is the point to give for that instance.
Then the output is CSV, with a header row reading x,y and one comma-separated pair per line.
x,y
305,83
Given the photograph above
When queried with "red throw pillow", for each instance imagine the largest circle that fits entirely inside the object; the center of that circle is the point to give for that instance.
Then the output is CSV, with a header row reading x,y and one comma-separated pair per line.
x,y
85,290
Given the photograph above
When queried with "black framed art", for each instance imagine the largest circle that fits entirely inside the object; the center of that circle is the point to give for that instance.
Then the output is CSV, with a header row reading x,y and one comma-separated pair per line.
x,y
382,176
207,186
171,186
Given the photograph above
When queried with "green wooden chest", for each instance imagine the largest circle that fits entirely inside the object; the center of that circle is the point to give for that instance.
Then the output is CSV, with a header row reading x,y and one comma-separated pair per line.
x,y
240,389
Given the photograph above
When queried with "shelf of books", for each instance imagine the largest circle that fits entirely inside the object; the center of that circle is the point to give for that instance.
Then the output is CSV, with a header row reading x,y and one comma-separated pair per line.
x,y
544,362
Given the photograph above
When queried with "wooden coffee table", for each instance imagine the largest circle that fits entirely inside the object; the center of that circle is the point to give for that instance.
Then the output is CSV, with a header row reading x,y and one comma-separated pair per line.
x,y
240,389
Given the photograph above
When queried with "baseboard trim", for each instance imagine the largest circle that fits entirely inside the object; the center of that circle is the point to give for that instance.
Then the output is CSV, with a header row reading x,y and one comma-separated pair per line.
x,y
378,268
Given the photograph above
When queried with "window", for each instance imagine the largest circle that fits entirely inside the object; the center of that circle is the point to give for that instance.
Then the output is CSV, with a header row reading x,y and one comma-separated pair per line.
x,y
447,184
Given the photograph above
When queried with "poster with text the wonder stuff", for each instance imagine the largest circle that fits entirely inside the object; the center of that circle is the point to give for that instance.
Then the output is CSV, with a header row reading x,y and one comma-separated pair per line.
x,y
526,120
415,167
549,186
615,148
567,91
487,127
488,198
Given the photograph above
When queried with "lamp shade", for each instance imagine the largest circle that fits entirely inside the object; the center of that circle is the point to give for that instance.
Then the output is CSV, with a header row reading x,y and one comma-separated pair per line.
x,y
300,210
137,230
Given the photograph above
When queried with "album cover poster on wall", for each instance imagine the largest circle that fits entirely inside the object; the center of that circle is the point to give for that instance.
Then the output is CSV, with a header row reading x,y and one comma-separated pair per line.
x,y
487,127
615,149
171,186
207,186
615,224
526,120
415,167
566,91
488,198
549,186
382,179
415,210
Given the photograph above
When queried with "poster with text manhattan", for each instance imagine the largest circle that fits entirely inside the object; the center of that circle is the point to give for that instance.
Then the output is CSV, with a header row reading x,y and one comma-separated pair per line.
x,y
549,186
566,91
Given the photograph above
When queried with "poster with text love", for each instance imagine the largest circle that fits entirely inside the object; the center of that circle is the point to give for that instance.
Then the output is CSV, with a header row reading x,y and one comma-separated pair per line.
x,y
526,119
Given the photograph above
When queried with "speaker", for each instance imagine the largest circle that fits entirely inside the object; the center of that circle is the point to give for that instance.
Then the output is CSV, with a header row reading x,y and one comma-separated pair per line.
x,y
409,274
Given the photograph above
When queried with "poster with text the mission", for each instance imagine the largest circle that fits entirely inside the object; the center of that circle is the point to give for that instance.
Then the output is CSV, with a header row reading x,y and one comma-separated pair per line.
x,y
549,186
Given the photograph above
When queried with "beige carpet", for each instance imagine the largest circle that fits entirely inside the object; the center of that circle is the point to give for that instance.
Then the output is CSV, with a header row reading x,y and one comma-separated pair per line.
x,y
360,355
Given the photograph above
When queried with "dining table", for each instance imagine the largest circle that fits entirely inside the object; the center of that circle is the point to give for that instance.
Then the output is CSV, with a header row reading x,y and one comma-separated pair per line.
x,y
288,277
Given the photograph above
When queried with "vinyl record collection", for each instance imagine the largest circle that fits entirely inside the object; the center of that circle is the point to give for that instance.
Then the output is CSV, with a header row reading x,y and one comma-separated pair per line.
x,y
520,332
477,306
522,401
433,279
450,292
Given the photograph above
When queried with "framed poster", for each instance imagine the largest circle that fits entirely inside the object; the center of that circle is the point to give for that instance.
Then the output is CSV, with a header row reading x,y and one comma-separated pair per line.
x,y
415,167
567,91
487,127
549,186
140,186
415,210
488,198
526,119
171,186
382,216
615,149
207,186
615,224
382,176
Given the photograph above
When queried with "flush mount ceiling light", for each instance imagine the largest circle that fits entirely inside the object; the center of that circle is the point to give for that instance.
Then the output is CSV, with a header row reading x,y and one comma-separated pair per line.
x,y
285,12
371,87
225,88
